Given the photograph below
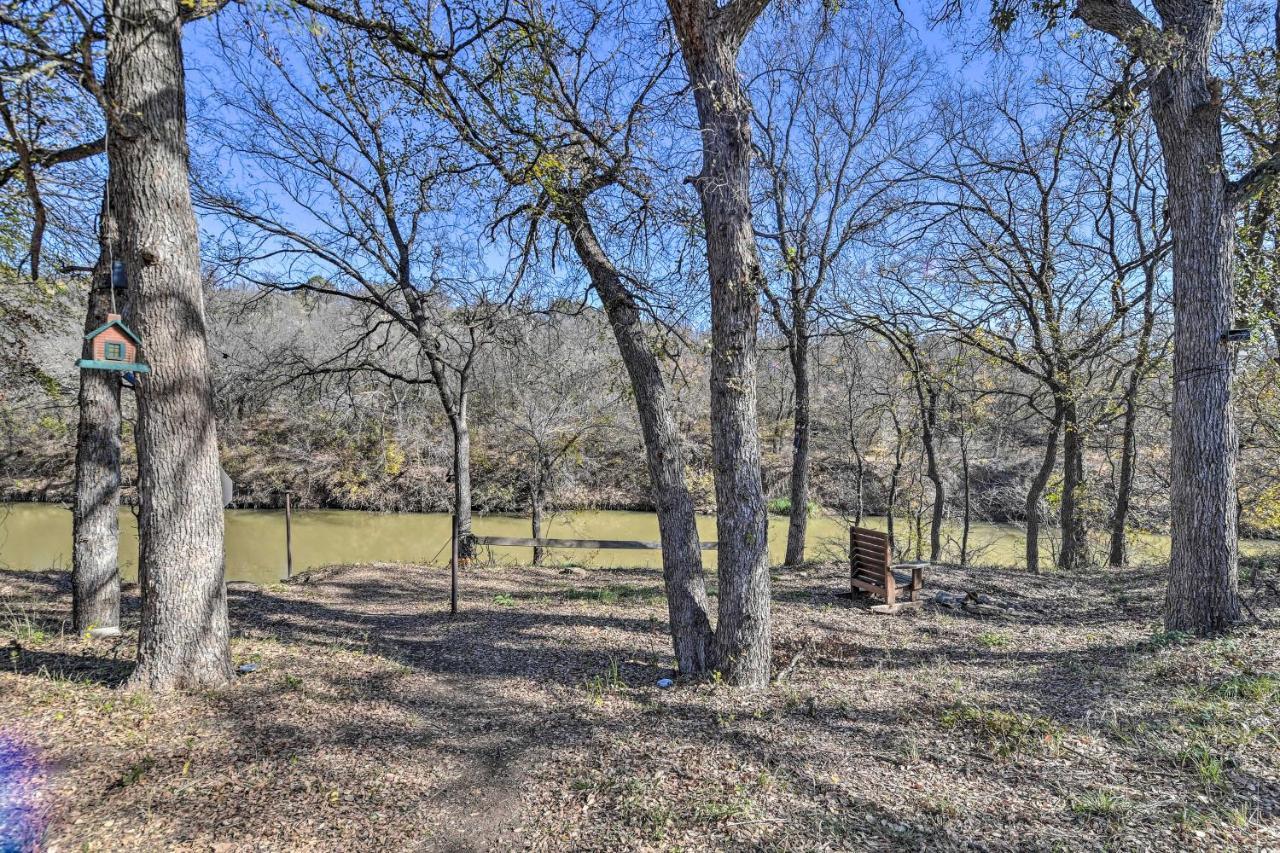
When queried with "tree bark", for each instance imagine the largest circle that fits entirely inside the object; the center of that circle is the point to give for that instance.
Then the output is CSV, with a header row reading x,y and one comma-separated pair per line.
x,y
462,479
95,519
1036,490
893,486
1075,537
1118,552
799,522
1186,106
1202,595
183,639
664,453
928,434
710,38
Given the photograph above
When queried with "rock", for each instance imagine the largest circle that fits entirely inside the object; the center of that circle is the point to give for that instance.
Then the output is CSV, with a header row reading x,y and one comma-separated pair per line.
x,y
949,599
103,633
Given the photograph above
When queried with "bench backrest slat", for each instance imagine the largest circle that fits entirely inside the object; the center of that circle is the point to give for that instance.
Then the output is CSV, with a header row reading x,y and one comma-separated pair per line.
x,y
868,558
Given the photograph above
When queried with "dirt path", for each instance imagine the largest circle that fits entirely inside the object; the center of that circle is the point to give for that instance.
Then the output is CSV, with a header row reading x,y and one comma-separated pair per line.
x,y
533,721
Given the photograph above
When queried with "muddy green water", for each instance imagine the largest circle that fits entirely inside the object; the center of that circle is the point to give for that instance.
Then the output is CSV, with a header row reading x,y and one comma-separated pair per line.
x,y
38,536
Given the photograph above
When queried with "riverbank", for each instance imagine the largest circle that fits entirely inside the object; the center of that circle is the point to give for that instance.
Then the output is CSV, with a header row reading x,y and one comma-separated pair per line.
x,y
533,721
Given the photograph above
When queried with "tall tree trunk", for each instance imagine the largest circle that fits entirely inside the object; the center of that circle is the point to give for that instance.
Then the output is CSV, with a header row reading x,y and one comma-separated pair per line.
x,y
1186,103
799,523
1075,537
710,37
928,437
1186,106
183,641
1035,491
664,453
859,484
967,508
95,519
919,519
860,465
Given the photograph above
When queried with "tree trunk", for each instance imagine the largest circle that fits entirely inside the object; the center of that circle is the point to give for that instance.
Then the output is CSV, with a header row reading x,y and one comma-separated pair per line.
x,y
1202,596
462,477
928,433
183,640
710,38
1036,490
893,488
664,453
1186,106
967,508
456,408
537,502
95,520
860,467
1075,537
1118,553
919,520
799,523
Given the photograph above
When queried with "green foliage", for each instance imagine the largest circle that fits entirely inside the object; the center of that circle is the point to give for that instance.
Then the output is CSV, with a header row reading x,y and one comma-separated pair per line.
x,y
610,681
993,639
1100,804
1207,766
1164,639
782,506
1005,733
1263,688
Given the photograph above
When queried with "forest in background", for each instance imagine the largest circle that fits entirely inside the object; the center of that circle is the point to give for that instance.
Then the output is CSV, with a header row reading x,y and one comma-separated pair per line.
x,y
966,300
552,393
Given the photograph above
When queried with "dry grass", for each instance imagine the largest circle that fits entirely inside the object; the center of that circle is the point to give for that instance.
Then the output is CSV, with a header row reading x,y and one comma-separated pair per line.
x,y
533,720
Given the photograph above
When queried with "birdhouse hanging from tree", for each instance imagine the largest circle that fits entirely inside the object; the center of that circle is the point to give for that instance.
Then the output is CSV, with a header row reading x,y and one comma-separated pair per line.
x,y
113,346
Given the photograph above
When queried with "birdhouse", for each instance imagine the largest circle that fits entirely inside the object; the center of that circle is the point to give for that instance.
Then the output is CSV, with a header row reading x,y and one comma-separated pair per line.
x,y
113,346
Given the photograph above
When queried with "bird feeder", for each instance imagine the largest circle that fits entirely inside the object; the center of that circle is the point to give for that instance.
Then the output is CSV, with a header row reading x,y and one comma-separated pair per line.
x,y
113,346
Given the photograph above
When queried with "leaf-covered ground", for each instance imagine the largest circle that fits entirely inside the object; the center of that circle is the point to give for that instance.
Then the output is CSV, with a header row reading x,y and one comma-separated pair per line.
x,y
532,720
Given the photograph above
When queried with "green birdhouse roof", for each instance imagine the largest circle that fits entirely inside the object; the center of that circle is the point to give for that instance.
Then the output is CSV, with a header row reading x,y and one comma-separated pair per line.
x,y
114,320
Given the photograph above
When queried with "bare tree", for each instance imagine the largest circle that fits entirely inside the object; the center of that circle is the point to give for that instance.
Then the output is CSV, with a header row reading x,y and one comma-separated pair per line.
x,y
1172,64
1016,240
53,51
373,201
557,398
564,135
833,103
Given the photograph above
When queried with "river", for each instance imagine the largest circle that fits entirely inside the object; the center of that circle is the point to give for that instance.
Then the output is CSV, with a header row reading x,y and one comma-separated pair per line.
x,y
36,536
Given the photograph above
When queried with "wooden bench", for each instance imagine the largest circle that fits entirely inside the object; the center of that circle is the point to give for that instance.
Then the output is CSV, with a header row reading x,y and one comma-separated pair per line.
x,y
871,570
